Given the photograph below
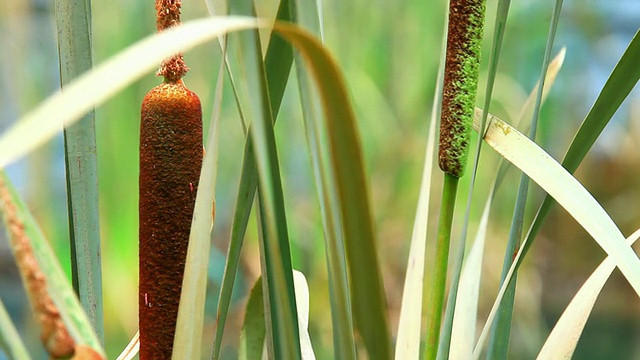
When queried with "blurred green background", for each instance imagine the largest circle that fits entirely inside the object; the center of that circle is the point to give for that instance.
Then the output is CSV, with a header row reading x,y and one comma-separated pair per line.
x,y
389,52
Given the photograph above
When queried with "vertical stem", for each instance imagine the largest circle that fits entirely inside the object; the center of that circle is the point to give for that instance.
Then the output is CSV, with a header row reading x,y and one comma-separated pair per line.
x,y
464,39
440,265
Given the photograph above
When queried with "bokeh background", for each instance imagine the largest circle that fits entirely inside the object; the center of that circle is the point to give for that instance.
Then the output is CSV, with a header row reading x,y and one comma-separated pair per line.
x,y
389,53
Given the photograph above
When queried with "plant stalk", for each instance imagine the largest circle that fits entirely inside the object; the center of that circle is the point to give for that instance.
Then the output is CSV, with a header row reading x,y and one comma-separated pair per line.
x,y
441,265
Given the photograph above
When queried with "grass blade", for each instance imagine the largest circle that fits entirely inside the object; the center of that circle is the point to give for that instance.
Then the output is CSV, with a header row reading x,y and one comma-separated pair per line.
x,y
279,54
623,78
252,337
341,313
349,177
408,338
564,337
107,79
253,332
10,341
49,277
565,189
409,324
302,300
277,273
501,333
74,45
132,349
463,329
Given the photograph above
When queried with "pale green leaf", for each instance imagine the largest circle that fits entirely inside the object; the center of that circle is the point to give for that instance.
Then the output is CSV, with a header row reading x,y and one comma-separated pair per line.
x,y
564,337
567,191
410,322
10,341
107,79
463,332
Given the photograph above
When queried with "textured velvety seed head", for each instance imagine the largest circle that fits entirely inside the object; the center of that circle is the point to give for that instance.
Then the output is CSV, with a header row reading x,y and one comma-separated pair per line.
x,y
466,23
170,162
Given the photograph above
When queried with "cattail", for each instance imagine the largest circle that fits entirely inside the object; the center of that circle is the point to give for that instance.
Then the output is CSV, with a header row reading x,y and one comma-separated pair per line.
x,y
170,162
464,39
53,333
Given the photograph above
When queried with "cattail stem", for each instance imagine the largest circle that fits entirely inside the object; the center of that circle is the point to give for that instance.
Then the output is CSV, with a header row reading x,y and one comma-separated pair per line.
x,y
170,161
464,40
440,265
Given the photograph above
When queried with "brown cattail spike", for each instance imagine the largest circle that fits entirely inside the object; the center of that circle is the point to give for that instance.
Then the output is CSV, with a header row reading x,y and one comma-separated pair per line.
x,y
170,162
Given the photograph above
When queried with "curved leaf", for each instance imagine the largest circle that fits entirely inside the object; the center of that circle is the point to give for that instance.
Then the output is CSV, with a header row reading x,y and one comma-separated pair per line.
x,y
567,191
564,337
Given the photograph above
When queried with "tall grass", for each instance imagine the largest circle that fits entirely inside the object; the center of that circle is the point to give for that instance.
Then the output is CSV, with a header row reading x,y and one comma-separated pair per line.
x,y
327,127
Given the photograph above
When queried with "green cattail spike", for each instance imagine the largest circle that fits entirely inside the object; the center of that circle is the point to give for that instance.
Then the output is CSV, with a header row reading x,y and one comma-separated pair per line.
x,y
464,40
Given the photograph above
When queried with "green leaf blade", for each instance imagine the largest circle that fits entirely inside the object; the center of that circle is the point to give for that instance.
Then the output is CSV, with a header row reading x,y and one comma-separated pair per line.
x,y
367,290
75,53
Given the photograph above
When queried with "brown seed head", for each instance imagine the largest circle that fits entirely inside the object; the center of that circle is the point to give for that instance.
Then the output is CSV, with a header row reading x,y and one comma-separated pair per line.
x,y
170,162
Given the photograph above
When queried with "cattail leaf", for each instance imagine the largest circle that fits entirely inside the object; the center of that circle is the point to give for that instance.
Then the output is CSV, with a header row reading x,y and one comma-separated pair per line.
x,y
252,336
339,297
463,328
107,79
409,324
278,62
622,80
253,332
465,313
275,255
10,341
132,348
568,192
20,223
501,332
349,176
564,337
302,300
73,21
